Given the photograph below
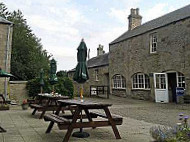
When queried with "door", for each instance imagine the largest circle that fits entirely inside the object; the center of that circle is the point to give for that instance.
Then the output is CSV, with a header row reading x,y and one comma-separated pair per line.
x,y
161,87
172,84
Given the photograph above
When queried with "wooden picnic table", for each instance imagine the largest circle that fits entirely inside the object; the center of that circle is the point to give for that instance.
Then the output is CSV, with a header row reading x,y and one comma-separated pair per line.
x,y
70,122
46,103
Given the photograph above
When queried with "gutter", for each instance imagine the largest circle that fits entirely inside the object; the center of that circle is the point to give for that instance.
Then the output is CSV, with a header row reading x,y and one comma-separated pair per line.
x,y
7,58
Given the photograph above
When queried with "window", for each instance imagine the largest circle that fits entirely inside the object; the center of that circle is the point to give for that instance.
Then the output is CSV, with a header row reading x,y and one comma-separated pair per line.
x,y
119,82
141,81
160,81
180,80
96,75
153,43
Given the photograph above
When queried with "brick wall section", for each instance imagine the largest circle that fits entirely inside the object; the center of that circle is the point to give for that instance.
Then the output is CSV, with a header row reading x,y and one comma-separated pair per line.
x,y
103,79
133,55
18,91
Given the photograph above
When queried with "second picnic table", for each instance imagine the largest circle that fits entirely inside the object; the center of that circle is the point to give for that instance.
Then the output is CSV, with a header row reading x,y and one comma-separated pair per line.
x,y
46,102
69,122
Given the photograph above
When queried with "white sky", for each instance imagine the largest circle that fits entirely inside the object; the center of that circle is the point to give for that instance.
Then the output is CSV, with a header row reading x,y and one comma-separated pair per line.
x,y
61,24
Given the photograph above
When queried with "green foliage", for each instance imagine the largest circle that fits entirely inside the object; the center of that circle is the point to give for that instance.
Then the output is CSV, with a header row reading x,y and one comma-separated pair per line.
x,y
28,56
62,74
180,133
63,87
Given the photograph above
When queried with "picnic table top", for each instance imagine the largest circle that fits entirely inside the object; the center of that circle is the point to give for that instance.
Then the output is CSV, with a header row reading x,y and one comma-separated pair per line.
x,y
53,96
85,103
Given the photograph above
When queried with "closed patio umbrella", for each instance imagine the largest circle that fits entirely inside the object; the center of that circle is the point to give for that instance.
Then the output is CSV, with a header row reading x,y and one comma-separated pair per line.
x,y
53,78
5,74
81,72
81,76
41,80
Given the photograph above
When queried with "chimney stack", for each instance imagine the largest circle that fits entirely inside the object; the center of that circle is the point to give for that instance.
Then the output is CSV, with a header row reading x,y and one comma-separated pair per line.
x,y
100,50
134,19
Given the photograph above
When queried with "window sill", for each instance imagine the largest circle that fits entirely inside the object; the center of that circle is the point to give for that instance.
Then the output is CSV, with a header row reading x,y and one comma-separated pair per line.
x,y
154,53
140,89
119,88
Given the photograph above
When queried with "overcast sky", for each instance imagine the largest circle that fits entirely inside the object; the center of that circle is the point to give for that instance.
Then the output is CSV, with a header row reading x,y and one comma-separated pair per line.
x,y
61,24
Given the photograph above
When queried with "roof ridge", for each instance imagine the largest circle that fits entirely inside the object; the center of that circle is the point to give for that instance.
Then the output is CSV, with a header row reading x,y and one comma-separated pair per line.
x,y
179,14
3,20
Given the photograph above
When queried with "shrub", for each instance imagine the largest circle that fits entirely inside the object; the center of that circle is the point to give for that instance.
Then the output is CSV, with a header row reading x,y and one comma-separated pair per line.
x,y
64,86
179,133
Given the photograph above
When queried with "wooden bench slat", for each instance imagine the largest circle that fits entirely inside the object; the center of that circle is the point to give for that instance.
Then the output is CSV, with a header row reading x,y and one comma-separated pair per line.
x,y
35,106
115,117
57,119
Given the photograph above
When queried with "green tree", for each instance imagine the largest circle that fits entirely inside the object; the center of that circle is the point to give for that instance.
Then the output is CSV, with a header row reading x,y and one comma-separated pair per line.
x,y
64,86
28,56
62,74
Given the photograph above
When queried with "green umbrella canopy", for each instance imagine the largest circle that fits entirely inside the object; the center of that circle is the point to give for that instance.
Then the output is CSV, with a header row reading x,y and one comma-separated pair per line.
x,y
41,77
5,74
53,69
81,72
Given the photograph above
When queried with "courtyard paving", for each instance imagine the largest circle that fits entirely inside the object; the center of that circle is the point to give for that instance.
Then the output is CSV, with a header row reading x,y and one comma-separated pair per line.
x,y
138,117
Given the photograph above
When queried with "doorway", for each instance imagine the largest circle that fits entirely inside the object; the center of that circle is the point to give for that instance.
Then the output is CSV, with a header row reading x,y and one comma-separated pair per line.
x,y
172,84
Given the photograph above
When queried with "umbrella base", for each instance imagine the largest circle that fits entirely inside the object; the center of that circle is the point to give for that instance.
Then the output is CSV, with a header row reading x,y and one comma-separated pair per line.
x,y
81,134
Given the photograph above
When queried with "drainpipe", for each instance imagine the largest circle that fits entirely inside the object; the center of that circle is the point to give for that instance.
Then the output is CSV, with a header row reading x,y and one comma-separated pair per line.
x,y
7,58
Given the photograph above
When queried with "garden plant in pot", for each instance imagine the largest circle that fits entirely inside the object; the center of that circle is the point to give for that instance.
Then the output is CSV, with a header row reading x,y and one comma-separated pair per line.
x,y
24,104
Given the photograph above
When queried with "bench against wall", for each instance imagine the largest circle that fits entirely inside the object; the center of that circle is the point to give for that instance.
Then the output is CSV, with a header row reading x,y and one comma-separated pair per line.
x,y
99,90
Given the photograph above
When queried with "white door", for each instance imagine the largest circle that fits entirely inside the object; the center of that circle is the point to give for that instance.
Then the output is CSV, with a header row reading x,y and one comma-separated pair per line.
x,y
161,87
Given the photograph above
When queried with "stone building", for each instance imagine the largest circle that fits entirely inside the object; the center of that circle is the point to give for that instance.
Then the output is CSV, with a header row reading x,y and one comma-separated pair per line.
x,y
98,72
5,50
150,60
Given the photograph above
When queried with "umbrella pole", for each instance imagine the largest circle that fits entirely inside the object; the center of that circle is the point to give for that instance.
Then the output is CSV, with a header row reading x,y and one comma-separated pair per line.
x,y
41,90
53,90
81,93
81,99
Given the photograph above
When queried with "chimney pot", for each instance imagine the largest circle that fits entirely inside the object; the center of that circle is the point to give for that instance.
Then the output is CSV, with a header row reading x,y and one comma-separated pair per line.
x,y
134,19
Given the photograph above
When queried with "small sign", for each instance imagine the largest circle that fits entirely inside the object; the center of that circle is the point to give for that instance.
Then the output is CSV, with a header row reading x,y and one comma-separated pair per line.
x,y
180,91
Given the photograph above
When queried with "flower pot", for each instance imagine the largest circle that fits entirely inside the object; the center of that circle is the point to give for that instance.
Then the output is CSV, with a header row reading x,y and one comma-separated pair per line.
x,y
24,106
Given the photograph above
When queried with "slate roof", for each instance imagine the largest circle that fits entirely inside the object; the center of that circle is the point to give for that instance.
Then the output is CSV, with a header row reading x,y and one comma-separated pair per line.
x,y
98,61
169,18
3,20
101,60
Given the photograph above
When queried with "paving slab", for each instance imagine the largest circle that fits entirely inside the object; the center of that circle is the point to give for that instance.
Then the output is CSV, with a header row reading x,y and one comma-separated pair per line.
x,y
21,126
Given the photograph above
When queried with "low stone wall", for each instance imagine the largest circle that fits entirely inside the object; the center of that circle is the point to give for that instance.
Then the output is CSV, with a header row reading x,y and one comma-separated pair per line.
x,y
18,91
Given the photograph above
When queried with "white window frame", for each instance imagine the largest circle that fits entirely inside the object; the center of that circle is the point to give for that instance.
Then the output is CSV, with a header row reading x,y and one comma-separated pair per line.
x,y
180,80
153,43
119,82
140,81
96,75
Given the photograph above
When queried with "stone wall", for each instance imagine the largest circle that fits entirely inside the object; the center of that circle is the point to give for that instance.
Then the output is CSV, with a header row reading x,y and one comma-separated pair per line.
x,y
103,80
133,56
4,30
18,91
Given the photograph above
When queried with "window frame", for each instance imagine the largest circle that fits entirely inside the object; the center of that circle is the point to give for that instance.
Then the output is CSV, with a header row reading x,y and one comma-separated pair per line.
x,y
153,41
181,80
142,81
118,82
96,75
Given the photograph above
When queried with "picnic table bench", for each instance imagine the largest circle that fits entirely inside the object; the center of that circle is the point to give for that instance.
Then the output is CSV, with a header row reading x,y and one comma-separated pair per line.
x,y
46,103
69,122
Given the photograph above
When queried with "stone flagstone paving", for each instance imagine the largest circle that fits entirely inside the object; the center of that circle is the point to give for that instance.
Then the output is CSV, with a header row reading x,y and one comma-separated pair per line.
x,y
21,126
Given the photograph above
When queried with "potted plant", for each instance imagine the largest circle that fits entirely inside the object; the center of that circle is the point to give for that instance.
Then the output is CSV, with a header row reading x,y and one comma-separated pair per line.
x,y
24,104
